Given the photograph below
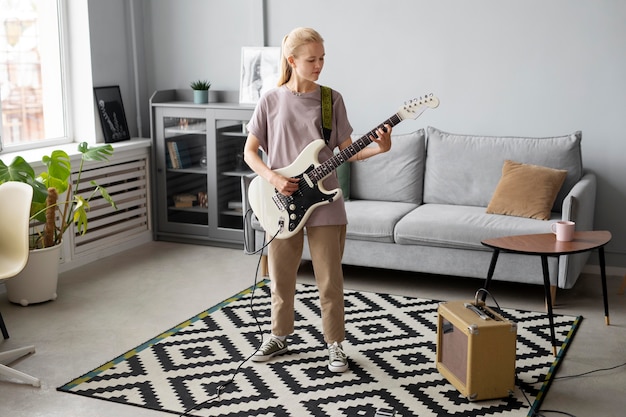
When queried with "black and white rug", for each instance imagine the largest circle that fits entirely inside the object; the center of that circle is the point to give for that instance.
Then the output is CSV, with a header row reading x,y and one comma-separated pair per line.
x,y
391,342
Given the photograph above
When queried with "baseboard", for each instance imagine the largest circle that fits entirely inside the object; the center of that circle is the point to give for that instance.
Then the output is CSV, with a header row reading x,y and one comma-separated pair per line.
x,y
610,270
140,239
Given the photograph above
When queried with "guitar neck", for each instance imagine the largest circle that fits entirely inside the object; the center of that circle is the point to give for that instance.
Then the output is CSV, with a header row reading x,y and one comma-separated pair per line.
x,y
333,163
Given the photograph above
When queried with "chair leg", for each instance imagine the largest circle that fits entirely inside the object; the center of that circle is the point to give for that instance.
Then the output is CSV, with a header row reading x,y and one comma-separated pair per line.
x,y
623,287
10,356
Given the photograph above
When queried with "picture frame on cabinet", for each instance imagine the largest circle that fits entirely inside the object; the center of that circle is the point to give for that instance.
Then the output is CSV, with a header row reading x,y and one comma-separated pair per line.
x,y
111,111
260,68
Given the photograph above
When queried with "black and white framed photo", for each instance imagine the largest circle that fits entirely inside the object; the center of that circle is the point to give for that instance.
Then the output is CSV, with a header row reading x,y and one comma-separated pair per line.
x,y
111,112
260,67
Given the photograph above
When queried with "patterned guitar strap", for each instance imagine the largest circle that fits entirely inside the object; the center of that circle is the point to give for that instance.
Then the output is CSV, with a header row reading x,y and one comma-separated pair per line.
x,y
327,112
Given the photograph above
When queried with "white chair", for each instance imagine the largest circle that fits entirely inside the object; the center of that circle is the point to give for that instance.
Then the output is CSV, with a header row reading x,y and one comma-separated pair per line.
x,y
15,200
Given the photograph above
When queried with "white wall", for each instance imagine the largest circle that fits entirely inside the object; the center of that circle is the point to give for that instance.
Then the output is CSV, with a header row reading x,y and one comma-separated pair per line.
x,y
528,68
111,53
188,40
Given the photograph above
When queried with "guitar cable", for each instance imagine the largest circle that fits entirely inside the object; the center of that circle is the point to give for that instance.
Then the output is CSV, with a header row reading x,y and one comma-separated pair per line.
x,y
220,388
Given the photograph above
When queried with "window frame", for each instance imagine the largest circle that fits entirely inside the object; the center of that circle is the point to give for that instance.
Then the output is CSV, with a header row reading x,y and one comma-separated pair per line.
x,y
62,23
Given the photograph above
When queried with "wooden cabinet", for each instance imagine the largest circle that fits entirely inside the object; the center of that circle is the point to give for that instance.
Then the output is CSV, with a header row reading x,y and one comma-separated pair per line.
x,y
198,164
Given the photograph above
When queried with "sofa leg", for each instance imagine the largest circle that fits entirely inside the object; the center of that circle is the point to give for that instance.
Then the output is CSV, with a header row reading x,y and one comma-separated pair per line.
x,y
264,268
623,287
553,289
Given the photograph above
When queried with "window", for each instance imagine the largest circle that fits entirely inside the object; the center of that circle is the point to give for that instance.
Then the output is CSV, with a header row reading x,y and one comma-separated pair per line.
x,y
31,73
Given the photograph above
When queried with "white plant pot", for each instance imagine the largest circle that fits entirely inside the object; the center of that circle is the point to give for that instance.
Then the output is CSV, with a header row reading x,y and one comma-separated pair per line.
x,y
38,280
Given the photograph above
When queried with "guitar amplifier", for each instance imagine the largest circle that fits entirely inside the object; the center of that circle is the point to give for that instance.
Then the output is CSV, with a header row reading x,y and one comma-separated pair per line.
x,y
476,350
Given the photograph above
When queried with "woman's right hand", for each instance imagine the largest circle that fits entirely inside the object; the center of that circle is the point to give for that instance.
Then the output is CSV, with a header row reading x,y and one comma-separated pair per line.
x,y
284,185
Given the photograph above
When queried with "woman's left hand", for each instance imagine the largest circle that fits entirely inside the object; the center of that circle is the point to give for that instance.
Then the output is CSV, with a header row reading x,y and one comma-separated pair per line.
x,y
384,138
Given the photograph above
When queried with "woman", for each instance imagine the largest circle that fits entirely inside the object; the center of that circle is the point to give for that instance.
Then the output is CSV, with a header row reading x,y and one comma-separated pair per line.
x,y
285,121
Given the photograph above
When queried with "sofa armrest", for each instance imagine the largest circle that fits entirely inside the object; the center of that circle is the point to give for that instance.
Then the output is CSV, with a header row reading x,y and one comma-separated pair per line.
x,y
578,206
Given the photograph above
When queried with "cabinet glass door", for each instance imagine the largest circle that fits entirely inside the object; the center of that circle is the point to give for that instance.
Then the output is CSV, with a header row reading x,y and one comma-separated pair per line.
x,y
230,136
185,179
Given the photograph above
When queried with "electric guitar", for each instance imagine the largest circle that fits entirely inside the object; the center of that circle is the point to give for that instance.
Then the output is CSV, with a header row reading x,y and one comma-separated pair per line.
x,y
283,216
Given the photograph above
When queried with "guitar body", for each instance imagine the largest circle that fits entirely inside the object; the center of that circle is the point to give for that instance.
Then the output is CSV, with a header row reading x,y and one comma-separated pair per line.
x,y
283,216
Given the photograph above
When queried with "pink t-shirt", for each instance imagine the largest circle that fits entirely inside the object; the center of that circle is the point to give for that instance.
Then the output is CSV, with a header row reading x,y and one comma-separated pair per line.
x,y
285,123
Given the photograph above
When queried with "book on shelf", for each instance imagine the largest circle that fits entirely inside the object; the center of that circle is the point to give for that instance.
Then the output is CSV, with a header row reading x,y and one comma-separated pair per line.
x,y
184,200
182,153
179,154
173,162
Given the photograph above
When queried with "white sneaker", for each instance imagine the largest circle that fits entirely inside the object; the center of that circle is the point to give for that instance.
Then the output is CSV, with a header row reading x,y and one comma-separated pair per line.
x,y
337,359
271,347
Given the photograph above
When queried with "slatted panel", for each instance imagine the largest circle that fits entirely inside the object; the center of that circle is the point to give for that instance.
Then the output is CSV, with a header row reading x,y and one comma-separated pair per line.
x,y
127,183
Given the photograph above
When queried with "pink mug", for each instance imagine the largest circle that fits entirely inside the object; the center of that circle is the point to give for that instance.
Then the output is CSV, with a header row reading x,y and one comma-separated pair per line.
x,y
564,230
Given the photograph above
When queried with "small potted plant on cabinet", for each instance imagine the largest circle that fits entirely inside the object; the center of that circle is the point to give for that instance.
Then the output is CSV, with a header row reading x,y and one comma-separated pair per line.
x,y
55,207
200,91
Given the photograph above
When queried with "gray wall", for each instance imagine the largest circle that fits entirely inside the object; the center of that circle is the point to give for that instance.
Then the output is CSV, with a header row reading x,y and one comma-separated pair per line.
x,y
527,67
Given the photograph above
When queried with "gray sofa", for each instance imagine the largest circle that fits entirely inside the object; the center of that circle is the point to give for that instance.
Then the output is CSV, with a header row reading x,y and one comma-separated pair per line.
x,y
423,206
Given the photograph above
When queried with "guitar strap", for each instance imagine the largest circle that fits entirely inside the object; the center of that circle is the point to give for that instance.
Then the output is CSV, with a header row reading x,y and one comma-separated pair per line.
x,y
327,112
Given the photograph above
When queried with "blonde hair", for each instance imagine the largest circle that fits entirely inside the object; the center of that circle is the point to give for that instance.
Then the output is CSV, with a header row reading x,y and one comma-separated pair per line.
x,y
291,42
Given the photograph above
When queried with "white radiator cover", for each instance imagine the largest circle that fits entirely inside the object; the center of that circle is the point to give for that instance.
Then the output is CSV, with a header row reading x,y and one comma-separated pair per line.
x,y
126,178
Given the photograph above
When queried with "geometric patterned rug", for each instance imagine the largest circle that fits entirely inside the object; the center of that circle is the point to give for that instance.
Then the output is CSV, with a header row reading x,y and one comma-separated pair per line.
x,y
197,368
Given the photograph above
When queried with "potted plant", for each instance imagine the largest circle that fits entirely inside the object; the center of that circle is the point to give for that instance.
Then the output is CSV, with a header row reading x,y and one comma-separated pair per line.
x,y
55,207
200,91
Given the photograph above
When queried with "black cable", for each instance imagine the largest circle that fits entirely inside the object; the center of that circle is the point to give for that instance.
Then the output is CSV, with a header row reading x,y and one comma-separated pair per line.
x,y
488,293
591,372
537,413
540,414
222,387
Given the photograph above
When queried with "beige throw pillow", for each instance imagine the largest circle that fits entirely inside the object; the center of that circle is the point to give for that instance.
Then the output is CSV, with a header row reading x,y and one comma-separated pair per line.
x,y
526,190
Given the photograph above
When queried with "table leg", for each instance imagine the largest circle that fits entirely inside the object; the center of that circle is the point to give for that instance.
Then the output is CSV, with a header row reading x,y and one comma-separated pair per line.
x,y
546,284
492,268
604,293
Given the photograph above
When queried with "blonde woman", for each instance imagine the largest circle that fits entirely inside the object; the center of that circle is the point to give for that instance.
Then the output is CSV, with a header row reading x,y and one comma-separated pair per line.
x,y
286,119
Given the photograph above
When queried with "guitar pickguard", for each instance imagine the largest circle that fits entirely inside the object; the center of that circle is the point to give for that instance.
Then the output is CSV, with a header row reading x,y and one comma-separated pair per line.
x,y
299,203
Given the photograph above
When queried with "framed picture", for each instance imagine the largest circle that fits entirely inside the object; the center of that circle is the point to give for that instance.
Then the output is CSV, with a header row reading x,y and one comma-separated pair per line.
x,y
111,112
260,68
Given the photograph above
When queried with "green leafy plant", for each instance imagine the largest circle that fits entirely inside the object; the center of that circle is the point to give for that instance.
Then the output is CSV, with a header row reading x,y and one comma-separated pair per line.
x,y
53,183
200,85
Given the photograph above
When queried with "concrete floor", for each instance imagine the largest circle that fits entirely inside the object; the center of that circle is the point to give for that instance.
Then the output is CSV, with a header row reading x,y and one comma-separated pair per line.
x,y
112,305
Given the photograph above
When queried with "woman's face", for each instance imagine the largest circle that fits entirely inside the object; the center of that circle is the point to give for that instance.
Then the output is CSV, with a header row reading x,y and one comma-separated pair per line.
x,y
309,61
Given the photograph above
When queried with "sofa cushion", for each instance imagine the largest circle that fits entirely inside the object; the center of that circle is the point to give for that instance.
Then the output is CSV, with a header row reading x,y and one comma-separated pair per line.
x,y
374,220
464,227
465,169
396,175
526,190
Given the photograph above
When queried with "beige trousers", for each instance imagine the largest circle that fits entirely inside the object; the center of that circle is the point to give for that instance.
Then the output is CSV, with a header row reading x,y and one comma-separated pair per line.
x,y
326,244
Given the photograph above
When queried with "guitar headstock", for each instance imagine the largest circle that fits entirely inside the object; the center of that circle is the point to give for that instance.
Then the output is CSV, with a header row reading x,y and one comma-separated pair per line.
x,y
413,108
